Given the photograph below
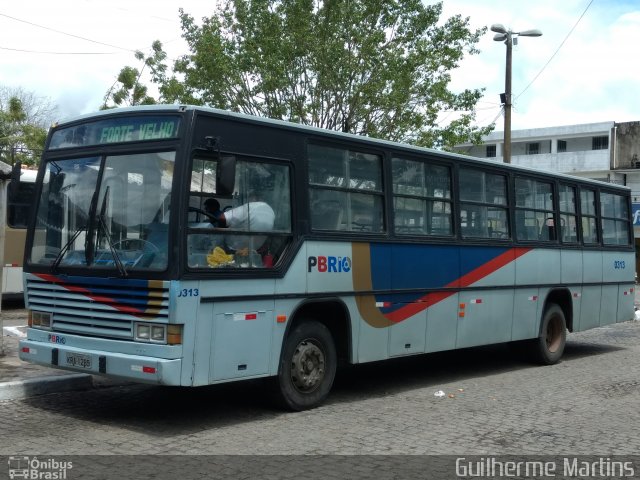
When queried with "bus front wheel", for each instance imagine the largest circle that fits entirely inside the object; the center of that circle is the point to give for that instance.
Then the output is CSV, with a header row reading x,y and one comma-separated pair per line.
x,y
307,366
548,348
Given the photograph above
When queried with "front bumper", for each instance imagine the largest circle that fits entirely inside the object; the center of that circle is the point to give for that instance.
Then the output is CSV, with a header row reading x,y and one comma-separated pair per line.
x,y
136,368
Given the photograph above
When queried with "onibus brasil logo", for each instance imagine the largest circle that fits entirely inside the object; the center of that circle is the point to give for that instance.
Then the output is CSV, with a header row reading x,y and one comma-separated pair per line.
x,y
38,469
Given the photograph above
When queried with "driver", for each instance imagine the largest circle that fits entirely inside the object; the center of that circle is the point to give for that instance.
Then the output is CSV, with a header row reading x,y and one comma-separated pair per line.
x,y
212,207
252,217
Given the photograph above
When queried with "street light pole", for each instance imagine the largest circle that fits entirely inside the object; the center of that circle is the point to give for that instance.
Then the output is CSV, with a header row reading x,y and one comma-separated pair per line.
x,y
506,149
509,38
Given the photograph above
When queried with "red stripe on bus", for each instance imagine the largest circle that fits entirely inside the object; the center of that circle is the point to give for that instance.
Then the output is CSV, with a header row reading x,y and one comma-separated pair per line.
x,y
86,292
479,273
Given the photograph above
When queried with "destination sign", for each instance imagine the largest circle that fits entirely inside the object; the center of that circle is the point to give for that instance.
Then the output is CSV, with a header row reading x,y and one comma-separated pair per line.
x,y
116,130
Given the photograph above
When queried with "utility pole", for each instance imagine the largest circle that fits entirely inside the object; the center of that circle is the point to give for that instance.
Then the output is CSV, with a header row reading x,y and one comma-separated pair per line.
x,y
509,38
5,175
506,149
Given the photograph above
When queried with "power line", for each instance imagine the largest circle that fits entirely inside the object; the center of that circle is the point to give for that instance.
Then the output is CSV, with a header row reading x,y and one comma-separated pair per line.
x,y
74,36
556,52
483,121
65,33
58,53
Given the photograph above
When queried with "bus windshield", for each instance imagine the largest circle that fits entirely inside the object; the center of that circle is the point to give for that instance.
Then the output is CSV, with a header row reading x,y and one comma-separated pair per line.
x,y
107,212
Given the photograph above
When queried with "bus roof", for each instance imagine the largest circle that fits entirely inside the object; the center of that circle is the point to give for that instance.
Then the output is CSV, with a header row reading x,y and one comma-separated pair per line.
x,y
326,133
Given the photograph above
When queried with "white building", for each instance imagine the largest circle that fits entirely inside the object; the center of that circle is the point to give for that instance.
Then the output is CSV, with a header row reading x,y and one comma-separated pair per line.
x,y
606,151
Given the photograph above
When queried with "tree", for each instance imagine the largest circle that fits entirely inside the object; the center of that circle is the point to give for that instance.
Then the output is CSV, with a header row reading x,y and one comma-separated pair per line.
x,y
372,67
24,120
127,89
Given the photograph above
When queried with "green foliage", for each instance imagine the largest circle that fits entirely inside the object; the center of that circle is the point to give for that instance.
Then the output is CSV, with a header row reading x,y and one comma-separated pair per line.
x,y
371,67
127,89
22,130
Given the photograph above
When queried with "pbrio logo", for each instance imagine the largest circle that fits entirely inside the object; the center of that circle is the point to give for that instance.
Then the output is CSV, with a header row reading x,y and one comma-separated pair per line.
x,y
329,264
57,339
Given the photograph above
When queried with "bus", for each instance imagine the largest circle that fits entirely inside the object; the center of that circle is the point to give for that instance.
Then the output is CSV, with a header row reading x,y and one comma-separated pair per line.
x,y
15,233
189,246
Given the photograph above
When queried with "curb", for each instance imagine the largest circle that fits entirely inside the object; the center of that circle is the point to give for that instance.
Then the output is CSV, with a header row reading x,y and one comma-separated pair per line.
x,y
21,389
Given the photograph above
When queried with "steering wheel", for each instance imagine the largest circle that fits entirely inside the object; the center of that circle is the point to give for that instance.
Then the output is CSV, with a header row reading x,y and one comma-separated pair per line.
x,y
145,246
129,244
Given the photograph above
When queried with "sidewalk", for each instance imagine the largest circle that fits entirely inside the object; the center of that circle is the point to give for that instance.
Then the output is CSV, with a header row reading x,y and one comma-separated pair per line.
x,y
20,379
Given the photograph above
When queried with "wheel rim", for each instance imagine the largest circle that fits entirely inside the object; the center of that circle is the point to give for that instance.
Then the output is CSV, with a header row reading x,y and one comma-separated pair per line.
x,y
307,366
554,334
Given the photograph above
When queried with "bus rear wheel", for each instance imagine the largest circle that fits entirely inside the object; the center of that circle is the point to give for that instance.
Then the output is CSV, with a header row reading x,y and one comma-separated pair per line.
x,y
307,366
548,348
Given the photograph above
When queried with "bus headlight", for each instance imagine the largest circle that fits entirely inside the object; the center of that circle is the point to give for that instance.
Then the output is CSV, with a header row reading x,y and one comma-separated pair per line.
x,y
143,332
39,319
153,333
158,333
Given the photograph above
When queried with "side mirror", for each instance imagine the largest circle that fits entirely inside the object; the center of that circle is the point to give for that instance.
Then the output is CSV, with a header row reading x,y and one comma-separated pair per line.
x,y
226,176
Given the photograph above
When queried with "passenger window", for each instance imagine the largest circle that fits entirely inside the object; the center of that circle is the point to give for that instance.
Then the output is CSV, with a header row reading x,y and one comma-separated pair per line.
x,y
19,206
421,198
615,219
588,213
484,209
345,191
535,219
249,228
568,214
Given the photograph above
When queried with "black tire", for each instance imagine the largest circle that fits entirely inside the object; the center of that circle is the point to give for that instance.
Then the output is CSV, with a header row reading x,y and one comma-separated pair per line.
x,y
307,366
548,348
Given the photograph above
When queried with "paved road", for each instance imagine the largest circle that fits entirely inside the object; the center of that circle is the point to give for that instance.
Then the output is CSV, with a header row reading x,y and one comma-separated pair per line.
x,y
495,403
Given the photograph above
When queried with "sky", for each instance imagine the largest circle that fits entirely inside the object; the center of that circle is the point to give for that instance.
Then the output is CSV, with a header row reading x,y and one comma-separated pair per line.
x,y
585,67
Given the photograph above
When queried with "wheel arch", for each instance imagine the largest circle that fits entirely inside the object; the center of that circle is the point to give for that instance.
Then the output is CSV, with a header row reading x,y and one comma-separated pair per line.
x,y
562,298
333,314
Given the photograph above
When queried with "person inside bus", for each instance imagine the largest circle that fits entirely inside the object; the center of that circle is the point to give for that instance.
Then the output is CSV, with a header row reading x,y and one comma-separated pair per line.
x,y
251,217
212,207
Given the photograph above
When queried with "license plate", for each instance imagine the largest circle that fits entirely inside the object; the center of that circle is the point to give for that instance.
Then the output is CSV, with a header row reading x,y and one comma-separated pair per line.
x,y
78,360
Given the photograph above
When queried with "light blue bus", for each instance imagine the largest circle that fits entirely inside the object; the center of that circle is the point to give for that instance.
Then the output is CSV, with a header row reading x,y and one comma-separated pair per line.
x,y
189,246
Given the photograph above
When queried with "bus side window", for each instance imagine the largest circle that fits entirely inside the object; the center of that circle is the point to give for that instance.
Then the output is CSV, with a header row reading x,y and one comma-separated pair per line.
x,y
327,214
548,231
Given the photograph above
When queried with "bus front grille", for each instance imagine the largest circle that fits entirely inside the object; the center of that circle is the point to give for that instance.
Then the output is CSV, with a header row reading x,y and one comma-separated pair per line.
x,y
104,308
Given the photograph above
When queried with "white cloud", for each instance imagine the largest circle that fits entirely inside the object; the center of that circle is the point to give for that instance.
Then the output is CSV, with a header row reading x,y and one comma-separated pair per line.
x,y
591,78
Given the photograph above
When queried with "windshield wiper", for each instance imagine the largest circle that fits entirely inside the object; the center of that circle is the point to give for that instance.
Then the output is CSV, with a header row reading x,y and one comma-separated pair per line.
x,y
89,243
105,229
65,249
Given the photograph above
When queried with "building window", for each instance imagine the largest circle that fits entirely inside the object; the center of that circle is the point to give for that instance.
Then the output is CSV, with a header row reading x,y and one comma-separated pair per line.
x,y
533,148
600,143
562,146
491,151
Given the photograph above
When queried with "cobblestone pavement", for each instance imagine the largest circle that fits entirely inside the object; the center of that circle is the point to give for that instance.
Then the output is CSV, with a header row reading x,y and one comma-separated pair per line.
x,y
495,404
14,320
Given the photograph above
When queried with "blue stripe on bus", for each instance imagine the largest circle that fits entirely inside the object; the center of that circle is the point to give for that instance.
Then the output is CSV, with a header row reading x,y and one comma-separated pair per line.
x,y
398,267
